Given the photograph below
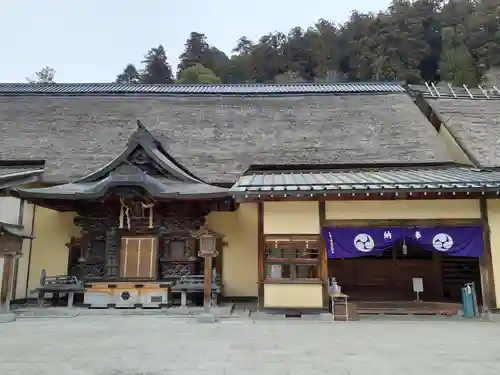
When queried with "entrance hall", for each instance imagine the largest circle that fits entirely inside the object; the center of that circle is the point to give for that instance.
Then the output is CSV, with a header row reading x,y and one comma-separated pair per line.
x,y
386,270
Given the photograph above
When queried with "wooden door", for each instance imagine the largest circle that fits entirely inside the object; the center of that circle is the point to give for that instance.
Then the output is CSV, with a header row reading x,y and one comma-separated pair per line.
x,y
138,257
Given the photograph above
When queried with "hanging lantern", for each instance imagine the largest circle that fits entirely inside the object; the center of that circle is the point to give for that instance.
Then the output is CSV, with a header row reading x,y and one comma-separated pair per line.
x,y
404,248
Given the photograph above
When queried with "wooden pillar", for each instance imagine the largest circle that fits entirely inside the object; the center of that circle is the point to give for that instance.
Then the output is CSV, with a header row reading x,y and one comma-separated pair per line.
x,y
261,245
9,280
323,254
207,276
438,274
485,262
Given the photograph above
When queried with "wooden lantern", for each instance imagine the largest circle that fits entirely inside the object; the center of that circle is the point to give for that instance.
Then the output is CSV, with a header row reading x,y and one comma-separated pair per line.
x,y
208,250
11,245
11,239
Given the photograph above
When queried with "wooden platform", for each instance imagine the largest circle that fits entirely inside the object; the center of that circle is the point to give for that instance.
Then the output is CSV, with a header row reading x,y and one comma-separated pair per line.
x,y
406,308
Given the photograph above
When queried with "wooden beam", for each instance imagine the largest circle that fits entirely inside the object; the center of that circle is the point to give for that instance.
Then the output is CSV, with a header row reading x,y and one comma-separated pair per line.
x,y
260,252
364,196
438,273
486,264
323,254
401,222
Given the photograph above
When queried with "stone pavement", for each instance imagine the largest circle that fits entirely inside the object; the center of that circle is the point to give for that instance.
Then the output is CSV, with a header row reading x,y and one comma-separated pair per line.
x,y
154,345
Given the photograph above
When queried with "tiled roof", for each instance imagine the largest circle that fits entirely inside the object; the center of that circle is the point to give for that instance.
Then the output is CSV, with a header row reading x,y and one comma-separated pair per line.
x,y
175,89
446,178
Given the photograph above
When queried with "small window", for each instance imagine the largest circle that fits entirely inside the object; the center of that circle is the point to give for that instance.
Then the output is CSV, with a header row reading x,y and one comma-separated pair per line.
x,y
292,258
307,271
278,271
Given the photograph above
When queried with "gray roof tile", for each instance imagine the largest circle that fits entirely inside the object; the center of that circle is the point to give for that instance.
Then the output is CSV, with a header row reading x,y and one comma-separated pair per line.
x,y
233,89
391,179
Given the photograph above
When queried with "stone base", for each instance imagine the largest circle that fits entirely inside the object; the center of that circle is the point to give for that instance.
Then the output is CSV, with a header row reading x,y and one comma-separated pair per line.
x,y
206,317
7,317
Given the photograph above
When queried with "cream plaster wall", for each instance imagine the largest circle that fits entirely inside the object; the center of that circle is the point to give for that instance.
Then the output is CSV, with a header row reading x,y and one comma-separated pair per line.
x,y
52,231
239,262
403,209
291,218
493,207
293,295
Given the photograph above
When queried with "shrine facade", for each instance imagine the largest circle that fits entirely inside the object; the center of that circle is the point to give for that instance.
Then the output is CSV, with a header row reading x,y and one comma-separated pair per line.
x,y
135,223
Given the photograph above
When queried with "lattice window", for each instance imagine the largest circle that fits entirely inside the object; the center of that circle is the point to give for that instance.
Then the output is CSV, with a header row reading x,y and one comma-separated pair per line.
x,y
292,258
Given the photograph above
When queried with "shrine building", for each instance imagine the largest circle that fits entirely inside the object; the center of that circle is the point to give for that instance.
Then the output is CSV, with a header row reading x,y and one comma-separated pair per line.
x,y
377,186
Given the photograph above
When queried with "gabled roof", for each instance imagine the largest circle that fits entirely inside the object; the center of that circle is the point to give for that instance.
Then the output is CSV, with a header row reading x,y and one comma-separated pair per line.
x,y
20,172
216,137
471,115
144,164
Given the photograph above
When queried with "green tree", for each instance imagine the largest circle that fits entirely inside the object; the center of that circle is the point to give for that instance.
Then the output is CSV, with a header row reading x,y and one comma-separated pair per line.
x,y
240,69
129,75
157,68
298,53
195,52
409,41
44,76
198,74
457,64
326,50
267,59
484,34
198,51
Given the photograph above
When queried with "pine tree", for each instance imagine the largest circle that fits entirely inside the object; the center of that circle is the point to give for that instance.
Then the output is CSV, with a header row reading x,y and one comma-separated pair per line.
x,y
157,68
44,76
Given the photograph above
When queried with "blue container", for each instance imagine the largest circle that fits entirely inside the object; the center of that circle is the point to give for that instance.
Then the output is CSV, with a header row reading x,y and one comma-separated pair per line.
x,y
468,301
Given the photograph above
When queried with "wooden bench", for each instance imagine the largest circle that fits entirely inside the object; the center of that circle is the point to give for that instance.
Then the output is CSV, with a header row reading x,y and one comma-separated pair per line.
x,y
194,284
58,285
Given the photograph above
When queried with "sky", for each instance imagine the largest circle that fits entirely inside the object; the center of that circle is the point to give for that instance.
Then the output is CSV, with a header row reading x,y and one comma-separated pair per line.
x,y
93,40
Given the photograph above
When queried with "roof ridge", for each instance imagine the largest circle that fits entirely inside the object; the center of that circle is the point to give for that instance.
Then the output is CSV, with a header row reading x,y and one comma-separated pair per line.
x,y
205,89
449,91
